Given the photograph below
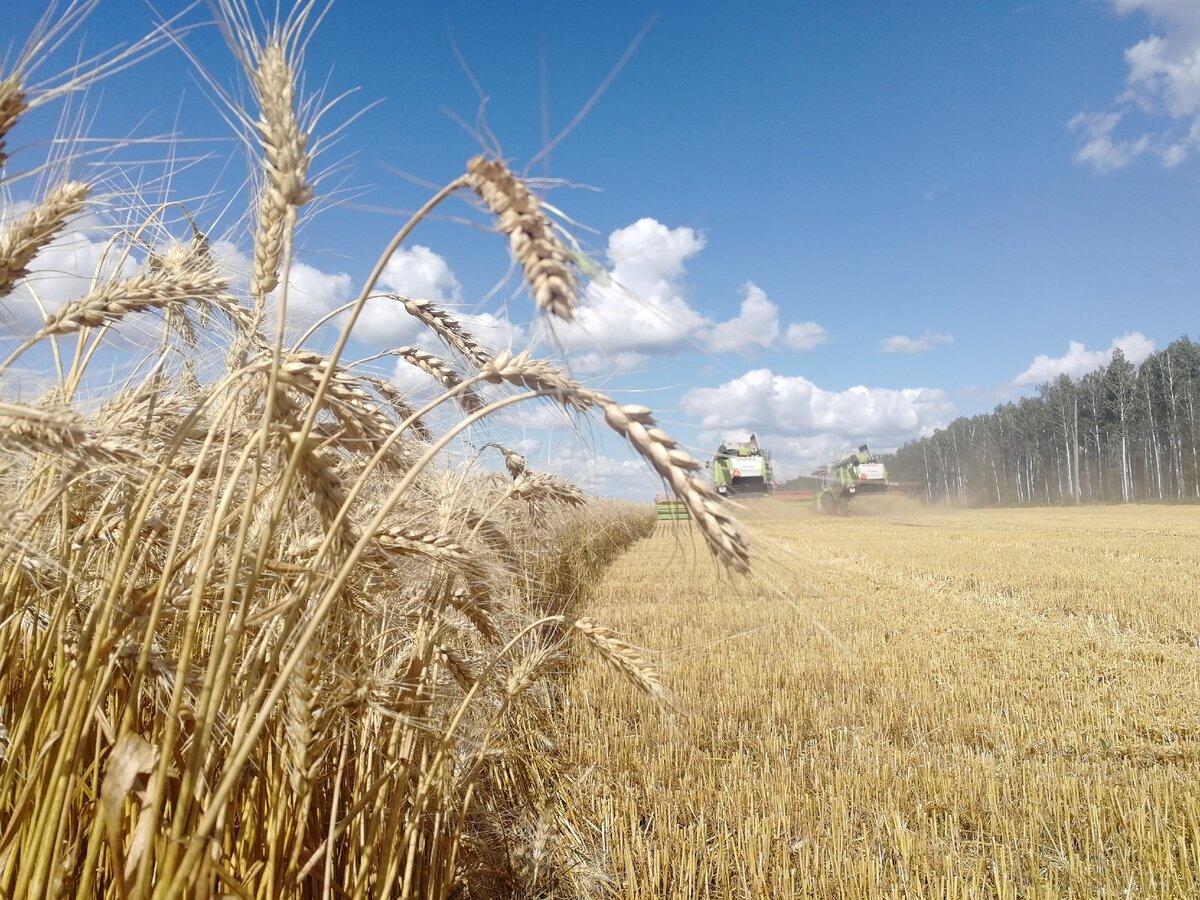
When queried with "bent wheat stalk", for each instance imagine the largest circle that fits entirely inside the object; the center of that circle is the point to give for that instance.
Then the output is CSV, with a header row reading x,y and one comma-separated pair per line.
x,y
636,424
544,259
13,102
25,237
441,372
448,329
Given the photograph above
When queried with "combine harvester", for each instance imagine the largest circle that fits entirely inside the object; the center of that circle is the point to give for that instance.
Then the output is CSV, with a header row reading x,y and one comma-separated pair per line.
x,y
742,469
851,476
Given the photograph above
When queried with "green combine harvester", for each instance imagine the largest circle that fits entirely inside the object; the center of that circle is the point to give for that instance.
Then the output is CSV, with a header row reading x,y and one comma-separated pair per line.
x,y
851,476
742,468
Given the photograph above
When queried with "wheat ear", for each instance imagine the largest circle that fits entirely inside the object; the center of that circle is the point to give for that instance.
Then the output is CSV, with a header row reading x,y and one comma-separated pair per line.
x,y
441,372
632,662
448,329
399,404
677,468
21,241
24,429
13,102
544,259
156,288
533,487
285,161
412,540
513,461
539,375
636,424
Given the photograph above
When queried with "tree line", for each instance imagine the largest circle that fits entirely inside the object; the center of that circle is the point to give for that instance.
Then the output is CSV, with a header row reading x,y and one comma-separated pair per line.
x,y
1122,433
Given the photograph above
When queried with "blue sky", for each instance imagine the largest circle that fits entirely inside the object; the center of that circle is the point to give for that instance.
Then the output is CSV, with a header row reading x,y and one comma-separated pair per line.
x,y
790,189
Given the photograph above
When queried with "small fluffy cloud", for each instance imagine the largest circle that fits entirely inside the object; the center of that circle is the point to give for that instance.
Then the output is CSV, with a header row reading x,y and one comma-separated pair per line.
x,y
495,332
639,304
902,343
1135,345
587,365
420,273
312,293
1099,149
415,272
1163,81
755,327
805,336
1079,360
794,408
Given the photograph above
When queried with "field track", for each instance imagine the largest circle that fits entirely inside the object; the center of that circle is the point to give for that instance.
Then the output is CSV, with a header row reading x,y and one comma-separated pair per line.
x,y
906,703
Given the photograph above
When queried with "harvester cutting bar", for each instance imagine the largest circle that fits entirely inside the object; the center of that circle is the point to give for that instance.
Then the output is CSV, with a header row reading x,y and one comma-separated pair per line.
x,y
670,508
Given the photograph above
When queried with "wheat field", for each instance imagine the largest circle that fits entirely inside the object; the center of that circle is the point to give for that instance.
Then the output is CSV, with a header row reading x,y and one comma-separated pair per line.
x,y
271,624
908,704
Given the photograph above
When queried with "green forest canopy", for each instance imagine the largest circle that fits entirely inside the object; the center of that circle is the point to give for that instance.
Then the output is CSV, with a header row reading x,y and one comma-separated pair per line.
x,y
1121,433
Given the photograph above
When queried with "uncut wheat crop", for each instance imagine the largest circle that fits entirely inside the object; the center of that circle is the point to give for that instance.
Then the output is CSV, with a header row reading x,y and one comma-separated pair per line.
x,y
271,626
998,704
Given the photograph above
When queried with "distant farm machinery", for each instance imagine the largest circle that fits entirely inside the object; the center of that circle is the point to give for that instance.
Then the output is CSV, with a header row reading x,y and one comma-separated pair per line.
x,y
742,468
851,476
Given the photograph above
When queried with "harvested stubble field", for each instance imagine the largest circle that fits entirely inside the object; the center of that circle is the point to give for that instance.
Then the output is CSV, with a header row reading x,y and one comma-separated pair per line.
x,y
910,704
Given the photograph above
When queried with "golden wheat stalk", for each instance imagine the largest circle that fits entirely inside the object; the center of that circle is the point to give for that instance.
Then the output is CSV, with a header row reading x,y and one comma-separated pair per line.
x,y
411,539
632,662
538,375
636,424
399,404
442,372
449,330
544,259
475,604
13,102
355,409
59,431
677,468
513,461
534,487
154,288
286,160
23,238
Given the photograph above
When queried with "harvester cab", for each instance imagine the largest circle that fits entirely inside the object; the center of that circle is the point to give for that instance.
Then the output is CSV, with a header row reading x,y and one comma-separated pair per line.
x,y
742,468
851,476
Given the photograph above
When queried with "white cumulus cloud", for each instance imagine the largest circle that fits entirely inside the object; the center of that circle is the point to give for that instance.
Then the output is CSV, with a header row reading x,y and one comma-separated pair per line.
x,y
416,272
1079,360
805,336
755,327
1162,81
312,292
902,343
639,304
595,362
